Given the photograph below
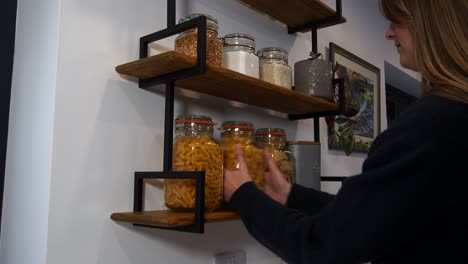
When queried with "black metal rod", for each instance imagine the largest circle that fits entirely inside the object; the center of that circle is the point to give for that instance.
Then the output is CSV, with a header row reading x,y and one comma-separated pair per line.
x,y
138,193
339,7
199,223
333,178
316,120
201,45
314,40
168,125
171,13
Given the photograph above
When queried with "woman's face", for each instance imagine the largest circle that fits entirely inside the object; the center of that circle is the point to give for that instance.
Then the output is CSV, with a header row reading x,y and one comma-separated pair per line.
x,y
401,35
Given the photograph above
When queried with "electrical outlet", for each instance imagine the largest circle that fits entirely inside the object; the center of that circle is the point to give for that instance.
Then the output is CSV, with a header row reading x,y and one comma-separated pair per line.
x,y
234,257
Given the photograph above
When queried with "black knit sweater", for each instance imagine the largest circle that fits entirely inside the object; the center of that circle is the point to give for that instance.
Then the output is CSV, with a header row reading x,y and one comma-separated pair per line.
x,y
409,205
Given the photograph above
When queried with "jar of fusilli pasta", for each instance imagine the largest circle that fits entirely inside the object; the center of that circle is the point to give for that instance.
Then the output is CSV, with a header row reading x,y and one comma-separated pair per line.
x,y
242,134
195,149
275,140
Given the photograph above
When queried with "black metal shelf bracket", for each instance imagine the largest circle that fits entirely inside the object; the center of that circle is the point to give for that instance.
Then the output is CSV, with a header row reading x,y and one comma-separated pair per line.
x,y
199,214
316,24
200,68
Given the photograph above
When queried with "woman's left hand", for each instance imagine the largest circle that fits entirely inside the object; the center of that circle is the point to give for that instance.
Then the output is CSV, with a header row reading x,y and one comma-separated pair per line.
x,y
234,179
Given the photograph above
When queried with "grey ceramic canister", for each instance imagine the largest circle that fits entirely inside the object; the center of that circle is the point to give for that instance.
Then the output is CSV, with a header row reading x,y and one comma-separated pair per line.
x,y
314,77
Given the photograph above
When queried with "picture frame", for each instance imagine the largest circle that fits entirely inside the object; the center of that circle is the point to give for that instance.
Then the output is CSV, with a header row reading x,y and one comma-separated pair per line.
x,y
358,126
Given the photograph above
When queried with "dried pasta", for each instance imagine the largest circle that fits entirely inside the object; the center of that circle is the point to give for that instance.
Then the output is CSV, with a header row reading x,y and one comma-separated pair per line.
x,y
284,164
253,157
195,154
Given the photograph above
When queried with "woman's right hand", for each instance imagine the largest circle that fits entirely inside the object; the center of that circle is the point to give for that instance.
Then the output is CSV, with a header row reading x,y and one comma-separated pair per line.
x,y
274,183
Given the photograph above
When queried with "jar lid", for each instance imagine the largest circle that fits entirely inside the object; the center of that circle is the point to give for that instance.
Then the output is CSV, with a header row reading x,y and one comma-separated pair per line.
x,y
270,132
195,119
273,53
239,39
237,126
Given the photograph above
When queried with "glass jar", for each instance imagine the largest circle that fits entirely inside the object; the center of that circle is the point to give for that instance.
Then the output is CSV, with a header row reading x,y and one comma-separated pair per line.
x,y
186,42
275,140
239,54
274,67
242,134
194,149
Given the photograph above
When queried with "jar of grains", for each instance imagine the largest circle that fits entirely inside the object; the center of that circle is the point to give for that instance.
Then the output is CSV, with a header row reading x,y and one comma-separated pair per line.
x,y
195,150
242,134
186,42
275,140
274,67
239,54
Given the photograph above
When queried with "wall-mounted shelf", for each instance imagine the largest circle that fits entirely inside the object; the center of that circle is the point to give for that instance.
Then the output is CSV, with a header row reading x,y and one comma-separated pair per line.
x,y
228,84
171,219
194,74
298,15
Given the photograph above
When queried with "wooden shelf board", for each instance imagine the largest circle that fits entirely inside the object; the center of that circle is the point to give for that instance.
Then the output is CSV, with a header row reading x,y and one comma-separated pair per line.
x,y
294,13
168,218
221,82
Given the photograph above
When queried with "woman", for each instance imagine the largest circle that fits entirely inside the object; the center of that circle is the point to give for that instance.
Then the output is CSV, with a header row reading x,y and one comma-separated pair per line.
x,y
410,203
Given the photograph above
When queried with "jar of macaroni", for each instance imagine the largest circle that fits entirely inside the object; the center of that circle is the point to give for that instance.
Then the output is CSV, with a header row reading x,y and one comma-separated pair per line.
x,y
242,134
275,140
186,42
274,67
195,149
239,54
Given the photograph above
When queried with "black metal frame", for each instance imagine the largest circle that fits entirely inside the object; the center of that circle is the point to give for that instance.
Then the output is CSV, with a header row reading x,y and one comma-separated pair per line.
x,y
170,79
198,224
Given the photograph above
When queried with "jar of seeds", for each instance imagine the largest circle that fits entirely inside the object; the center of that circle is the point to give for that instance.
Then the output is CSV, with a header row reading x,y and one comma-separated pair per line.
x,y
274,67
186,42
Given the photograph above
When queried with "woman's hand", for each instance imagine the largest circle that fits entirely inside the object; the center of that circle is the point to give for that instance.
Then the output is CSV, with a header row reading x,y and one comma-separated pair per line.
x,y
274,183
234,179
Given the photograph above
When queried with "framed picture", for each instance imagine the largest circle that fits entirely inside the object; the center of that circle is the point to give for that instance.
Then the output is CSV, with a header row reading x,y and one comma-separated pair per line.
x,y
359,125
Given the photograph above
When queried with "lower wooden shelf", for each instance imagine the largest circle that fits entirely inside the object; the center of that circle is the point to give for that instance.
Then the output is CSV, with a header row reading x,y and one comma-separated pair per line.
x,y
168,218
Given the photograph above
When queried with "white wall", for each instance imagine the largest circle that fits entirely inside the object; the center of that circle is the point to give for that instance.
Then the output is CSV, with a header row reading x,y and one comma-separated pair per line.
x,y
105,128
29,155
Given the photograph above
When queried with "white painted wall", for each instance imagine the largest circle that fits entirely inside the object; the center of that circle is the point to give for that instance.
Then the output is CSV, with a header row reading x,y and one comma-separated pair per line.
x,y
105,128
29,155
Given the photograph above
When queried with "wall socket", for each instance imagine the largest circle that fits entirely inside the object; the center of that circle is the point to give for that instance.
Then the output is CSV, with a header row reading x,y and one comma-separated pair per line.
x,y
233,257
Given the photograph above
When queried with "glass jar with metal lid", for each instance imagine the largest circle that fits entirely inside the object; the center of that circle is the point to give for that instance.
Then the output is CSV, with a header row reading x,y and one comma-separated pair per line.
x,y
195,150
274,67
242,133
275,140
186,42
239,54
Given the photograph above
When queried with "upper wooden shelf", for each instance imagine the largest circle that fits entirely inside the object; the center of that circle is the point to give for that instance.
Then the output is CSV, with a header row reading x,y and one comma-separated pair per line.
x,y
224,83
297,13
168,218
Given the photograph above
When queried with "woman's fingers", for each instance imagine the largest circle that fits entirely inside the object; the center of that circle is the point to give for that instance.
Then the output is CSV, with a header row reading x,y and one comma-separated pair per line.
x,y
270,162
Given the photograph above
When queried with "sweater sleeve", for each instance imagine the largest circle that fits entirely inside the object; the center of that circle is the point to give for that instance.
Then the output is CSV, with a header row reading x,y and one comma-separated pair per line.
x,y
308,200
394,203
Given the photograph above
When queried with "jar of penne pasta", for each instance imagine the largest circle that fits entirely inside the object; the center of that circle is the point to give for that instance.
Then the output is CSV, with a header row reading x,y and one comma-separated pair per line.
x,y
242,134
195,149
275,140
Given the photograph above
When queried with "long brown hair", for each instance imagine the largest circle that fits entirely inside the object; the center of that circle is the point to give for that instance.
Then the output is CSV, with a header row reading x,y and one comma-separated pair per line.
x,y
439,31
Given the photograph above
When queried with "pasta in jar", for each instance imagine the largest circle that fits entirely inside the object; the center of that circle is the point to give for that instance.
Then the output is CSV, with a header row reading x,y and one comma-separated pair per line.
x,y
275,140
195,150
241,133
